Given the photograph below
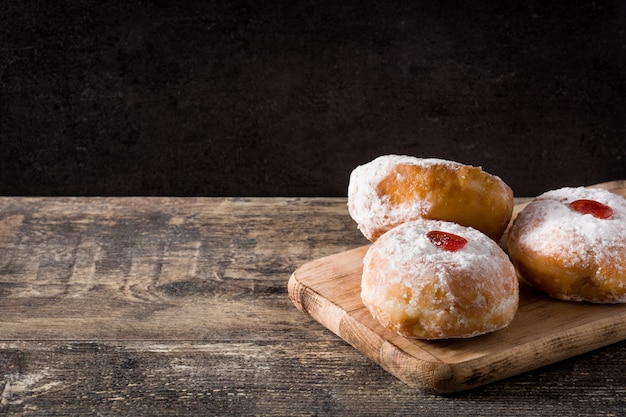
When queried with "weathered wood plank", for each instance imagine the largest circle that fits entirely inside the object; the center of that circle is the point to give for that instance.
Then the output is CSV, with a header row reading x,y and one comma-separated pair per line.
x,y
157,268
295,378
168,306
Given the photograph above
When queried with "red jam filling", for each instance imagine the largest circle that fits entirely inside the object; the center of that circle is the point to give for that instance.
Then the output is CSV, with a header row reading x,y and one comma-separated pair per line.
x,y
592,207
446,241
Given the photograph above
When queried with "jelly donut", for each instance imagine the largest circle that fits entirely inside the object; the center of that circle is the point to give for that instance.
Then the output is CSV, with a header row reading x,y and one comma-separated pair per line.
x,y
393,189
570,243
431,279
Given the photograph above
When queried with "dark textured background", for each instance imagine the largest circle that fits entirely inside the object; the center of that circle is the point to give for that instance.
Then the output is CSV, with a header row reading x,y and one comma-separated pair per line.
x,y
285,97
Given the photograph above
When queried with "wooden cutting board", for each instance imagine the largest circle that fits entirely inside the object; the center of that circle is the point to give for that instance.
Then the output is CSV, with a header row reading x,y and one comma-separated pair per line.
x,y
544,330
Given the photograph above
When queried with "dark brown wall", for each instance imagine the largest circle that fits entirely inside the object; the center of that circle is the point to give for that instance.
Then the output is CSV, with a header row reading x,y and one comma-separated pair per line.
x,y
285,98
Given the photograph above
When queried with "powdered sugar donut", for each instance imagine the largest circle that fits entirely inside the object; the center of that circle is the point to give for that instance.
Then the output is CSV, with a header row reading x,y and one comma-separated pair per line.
x,y
432,279
393,189
571,244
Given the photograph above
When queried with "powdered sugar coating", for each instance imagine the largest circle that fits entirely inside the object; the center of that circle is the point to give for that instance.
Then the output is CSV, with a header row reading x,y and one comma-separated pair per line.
x,y
418,290
383,194
373,212
570,255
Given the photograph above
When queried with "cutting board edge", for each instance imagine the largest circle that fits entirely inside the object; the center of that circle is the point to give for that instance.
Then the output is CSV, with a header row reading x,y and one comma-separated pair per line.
x,y
419,373
535,354
440,377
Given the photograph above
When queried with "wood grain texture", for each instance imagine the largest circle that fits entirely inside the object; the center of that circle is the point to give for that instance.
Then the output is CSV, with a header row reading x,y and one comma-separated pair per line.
x,y
543,331
179,306
148,268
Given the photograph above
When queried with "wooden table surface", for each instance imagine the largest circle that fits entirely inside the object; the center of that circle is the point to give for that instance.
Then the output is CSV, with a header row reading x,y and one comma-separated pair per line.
x,y
179,306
